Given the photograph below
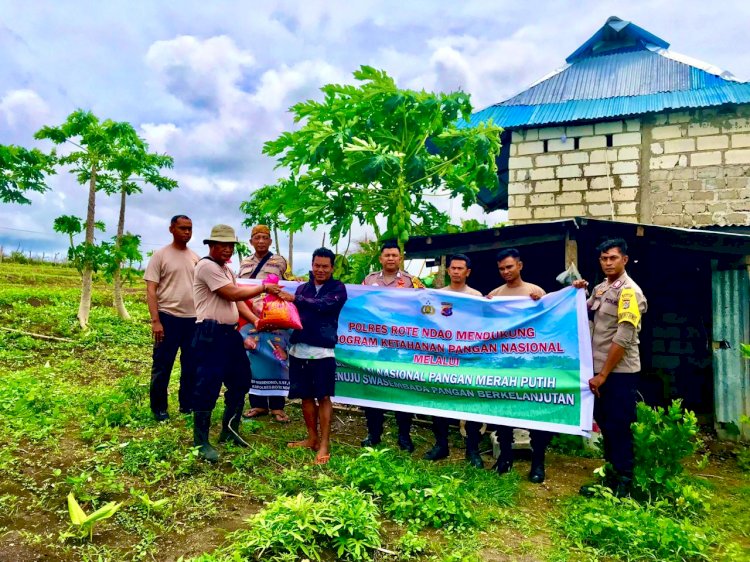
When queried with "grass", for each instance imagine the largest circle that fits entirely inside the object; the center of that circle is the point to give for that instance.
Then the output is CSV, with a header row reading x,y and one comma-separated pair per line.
x,y
74,416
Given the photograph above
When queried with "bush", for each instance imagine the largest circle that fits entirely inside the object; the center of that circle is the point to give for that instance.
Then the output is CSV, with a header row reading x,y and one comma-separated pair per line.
x,y
409,493
625,529
663,439
342,520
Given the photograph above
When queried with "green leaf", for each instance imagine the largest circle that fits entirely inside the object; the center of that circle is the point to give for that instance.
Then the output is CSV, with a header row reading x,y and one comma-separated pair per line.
x,y
77,515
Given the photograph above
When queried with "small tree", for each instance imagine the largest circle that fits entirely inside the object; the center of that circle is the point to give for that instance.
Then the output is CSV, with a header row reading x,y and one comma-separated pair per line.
x,y
72,226
256,212
131,166
93,143
375,150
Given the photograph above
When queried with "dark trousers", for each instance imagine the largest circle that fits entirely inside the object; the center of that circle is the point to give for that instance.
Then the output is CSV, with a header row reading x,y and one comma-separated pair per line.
x,y
178,334
440,427
614,412
376,417
539,441
221,358
267,402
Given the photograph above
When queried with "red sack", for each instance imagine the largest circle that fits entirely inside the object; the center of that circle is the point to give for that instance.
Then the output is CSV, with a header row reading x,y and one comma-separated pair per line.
x,y
278,314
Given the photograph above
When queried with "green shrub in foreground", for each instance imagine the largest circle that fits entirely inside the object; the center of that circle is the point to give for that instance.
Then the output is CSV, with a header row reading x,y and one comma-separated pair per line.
x,y
623,528
409,493
340,520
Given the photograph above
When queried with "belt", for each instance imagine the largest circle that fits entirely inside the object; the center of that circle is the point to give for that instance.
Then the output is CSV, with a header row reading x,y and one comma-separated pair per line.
x,y
215,324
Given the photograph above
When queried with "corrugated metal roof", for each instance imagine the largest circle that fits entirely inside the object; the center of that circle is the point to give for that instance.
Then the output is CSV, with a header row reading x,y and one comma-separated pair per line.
x,y
516,116
731,324
622,70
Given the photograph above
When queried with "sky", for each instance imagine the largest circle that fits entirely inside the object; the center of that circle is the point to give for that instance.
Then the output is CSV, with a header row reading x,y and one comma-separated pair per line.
x,y
209,82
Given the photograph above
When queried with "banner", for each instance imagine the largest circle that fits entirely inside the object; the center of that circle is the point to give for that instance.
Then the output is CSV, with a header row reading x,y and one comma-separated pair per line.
x,y
508,361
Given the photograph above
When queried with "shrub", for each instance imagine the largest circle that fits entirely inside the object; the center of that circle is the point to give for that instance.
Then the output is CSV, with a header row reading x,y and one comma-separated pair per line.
x,y
342,520
624,529
409,493
662,439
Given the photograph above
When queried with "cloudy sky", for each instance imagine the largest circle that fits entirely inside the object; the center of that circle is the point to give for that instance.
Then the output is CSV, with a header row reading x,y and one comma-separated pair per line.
x,y
209,82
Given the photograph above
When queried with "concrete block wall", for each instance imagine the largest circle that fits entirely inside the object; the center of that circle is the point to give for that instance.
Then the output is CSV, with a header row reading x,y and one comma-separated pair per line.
x,y
699,168
550,178
677,169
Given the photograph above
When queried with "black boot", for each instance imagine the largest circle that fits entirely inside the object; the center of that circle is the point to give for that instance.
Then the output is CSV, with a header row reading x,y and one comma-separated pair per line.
x,y
405,442
439,451
201,425
230,425
370,441
536,474
502,465
474,458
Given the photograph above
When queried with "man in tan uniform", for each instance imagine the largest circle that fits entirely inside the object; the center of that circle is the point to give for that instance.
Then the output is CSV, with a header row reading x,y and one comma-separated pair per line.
x,y
509,265
459,269
617,305
218,346
169,294
392,277
259,266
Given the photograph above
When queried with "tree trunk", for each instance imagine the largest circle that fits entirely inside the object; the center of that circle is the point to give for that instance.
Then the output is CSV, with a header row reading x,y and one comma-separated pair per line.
x,y
119,302
88,270
276,239
290,257
440,278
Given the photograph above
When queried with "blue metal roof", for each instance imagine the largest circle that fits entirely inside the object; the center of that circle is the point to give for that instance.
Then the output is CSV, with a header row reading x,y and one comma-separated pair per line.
x,y
621,71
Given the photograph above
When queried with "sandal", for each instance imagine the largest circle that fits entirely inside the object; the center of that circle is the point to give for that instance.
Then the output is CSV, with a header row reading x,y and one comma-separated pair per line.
x,y
255,413
322,459
280,416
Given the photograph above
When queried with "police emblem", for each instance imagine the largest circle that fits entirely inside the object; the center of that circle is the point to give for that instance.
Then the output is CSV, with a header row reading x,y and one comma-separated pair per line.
x,y
427,308
446,308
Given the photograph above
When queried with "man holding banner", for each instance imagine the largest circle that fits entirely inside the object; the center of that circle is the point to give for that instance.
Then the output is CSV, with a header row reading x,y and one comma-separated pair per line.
x,y
617,305
459,269
509,265
312,361
392,277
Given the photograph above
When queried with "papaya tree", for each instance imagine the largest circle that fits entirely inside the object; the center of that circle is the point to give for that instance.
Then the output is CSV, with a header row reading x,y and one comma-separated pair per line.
x,y
256,212
132,166
373,153
72,225
91,145
23,170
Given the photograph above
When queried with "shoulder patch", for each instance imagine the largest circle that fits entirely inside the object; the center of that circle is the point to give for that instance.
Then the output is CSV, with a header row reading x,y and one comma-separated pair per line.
x,y
627,307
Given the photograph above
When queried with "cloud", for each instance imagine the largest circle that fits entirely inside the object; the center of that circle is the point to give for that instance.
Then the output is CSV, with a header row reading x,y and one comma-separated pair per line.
x,y
201,73
23,110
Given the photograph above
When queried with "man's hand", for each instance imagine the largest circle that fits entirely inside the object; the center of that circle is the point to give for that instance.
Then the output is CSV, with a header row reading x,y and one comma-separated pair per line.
x,y
288,297
157,331
580,283
595,382
272,288
536,295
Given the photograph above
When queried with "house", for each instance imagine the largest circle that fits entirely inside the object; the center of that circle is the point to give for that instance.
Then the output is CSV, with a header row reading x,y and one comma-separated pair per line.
x,y
632,140
626,130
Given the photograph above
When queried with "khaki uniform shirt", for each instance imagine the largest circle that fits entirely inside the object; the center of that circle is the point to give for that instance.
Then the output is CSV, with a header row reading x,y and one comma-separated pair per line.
x,y
617,308
466,290
172,270
275,264
524,290
402,280
210,276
